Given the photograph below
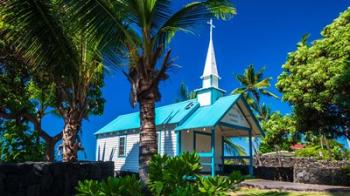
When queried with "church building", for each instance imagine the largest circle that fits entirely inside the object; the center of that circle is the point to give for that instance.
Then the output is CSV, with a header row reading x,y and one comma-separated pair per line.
x,y
197,125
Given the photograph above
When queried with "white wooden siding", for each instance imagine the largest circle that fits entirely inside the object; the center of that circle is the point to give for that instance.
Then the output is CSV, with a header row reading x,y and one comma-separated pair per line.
x,y
131,161
168,142
128,163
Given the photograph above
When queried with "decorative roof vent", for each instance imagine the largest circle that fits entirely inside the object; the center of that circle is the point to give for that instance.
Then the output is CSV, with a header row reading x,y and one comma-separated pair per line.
x,y
189,106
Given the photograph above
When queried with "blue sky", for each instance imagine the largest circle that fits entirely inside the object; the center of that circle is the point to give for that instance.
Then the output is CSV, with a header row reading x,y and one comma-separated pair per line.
x,y
262,33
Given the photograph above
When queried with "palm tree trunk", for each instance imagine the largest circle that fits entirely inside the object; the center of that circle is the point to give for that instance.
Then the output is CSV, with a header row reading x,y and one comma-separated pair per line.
x,y
69,136
148,136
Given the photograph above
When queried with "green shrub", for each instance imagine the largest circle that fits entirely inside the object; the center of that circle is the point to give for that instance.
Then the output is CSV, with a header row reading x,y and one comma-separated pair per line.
x,y
122,186
336,152
168,176
218,185
179,176
169,173
89,188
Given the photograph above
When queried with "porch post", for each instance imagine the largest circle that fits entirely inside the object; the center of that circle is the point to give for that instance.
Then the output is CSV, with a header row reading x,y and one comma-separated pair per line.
x,y
250,153
213,152
222,153
178,143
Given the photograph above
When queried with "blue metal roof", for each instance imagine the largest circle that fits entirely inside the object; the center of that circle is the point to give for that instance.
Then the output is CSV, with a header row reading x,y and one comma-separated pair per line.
x,y
208,116
169,114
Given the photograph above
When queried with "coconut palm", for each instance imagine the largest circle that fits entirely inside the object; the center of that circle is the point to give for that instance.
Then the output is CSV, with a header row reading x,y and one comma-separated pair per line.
x,y
265,113
185,93
253,85
146,27
56,48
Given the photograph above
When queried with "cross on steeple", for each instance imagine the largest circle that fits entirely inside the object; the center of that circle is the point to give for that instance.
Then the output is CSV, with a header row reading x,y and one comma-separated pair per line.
x,y
211,25
210,68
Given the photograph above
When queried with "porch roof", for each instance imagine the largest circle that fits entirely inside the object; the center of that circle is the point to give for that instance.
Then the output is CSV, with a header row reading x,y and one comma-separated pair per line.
x,y
209,116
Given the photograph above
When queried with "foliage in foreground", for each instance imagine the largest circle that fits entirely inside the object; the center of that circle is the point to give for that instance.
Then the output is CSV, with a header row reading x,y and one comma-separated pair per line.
x,y
127,185
179,176
168,176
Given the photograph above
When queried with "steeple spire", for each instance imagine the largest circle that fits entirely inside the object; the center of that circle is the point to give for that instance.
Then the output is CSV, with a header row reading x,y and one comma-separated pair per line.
x,y
210,90
210,69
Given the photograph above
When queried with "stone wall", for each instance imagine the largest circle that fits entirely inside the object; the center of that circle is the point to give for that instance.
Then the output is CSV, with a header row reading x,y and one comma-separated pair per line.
x,y
321,172
302,170
46,178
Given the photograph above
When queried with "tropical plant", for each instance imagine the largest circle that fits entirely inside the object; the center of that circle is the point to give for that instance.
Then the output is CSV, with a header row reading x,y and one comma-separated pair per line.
x,y
218,185
145,28
168,173
335,152
120,186
179,176
17,144
185,93
56,48
280,133
315,81
253,85
265,113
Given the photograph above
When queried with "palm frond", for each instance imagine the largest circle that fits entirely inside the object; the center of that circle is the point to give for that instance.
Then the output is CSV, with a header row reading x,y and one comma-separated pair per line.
x,y
233,149
260,74
238,91
36,24
242,79
268,93
265,113
105,20
265,83
183,92
249,74
190,15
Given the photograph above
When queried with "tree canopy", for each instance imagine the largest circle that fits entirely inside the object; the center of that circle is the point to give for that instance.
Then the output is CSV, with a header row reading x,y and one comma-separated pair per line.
x,y
65,71
315,80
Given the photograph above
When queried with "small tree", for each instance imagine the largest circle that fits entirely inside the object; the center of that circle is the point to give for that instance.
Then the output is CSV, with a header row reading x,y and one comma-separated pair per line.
x,y
280,133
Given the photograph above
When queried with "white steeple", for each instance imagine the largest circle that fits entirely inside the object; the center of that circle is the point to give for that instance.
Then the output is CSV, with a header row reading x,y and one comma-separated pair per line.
x,y
210,75
210,90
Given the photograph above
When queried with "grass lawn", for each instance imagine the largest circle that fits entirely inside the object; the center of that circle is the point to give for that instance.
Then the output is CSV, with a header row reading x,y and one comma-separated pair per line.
x,y
265,192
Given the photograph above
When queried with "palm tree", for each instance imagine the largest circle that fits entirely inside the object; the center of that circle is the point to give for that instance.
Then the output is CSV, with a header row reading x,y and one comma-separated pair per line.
x,y
145,27
265,113
185,94
253,85
58,52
